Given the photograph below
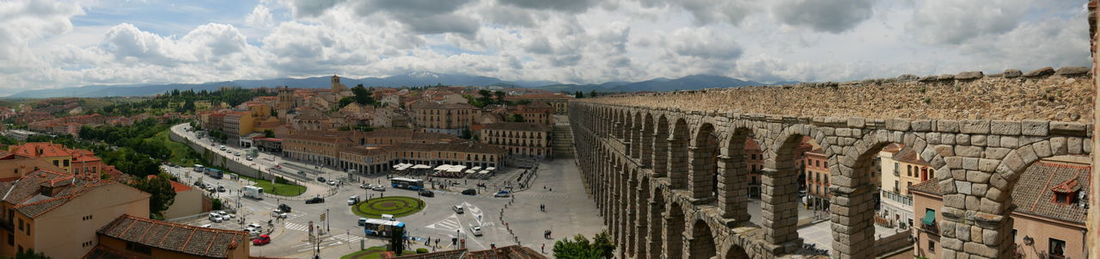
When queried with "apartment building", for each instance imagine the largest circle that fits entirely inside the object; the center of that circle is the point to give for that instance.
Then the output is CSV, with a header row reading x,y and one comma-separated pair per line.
x,y
443,118
140,238
237,124
1049,216
13,167
519,139
901,168
559,102
535,112
82,163
378,159
58,215
816,167
318,147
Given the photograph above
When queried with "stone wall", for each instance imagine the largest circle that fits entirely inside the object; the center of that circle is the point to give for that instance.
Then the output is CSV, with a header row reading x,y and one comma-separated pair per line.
x,y
216,160
689,167
1047,95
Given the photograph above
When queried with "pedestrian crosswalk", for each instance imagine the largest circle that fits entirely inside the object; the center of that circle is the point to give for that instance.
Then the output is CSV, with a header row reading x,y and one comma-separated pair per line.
x,y
296,226
347,238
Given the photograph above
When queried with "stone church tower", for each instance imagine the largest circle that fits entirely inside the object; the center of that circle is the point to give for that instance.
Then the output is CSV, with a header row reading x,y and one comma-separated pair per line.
x,y
285,102
337,87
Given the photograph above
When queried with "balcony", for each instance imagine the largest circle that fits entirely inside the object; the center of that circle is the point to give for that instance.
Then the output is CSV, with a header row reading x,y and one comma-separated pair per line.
x,y
933,228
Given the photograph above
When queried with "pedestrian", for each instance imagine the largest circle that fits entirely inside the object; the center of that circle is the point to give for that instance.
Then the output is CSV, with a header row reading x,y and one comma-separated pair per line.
x,y
543,249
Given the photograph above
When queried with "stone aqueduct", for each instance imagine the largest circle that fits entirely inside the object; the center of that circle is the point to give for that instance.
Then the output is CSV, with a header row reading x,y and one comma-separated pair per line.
x,y
671,183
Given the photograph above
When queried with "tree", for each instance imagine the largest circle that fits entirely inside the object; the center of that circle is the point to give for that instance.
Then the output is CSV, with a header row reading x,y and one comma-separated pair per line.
x,y
362,95
500,96
515,118
578,94
580,247
269,134
592,93
161,193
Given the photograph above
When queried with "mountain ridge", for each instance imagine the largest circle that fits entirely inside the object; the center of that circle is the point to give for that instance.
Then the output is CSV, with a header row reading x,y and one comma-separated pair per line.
x,y
691,82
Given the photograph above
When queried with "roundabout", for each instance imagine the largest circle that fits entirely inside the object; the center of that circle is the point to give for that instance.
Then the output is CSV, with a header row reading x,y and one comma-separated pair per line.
x,y
398,206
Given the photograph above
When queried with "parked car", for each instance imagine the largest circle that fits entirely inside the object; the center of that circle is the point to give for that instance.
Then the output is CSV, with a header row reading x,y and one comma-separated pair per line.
x,y
225,215
426,193
475,230
320,179
362,221
469,192
211,188
502,194
215,217
379,188
284,208
365,186
332,182
458,209
278,214
255,226
261,240
315,200
237,153
221,188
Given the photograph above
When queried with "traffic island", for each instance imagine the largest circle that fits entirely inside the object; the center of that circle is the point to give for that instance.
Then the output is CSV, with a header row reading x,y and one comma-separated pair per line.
x,y
398,206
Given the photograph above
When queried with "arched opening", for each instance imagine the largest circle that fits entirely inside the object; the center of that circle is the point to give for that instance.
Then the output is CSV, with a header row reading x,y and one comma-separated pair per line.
x,y
736,170
636,136
657,213
702,242
631,204
675,232
882,176
678,155
704,165
736,252
660,148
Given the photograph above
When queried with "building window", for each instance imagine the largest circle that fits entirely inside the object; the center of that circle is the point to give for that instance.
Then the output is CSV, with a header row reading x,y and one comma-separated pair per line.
x,y
931,246
1057,248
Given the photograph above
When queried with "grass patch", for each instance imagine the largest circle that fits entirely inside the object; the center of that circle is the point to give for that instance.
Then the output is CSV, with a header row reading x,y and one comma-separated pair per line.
x,y
371,253
398,206
181,154
280,189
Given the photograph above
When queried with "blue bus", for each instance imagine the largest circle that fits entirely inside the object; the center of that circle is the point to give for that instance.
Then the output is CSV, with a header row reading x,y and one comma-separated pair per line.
x,y
407,183
379,227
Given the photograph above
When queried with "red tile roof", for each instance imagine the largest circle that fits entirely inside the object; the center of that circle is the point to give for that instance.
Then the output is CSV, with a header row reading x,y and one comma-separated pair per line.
x,y
200,241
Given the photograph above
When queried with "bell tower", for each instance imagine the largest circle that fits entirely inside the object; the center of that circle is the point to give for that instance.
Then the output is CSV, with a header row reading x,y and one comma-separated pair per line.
x,y
336,85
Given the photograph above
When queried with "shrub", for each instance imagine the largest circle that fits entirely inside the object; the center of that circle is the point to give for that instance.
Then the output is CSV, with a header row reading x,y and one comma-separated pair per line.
x,y
421,250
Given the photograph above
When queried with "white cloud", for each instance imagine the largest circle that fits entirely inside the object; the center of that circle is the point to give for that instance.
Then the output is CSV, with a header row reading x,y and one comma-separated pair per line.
x,y
260,17
573,41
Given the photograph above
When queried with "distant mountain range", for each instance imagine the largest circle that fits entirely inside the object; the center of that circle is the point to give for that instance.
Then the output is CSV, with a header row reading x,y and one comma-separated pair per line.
x,y
411,79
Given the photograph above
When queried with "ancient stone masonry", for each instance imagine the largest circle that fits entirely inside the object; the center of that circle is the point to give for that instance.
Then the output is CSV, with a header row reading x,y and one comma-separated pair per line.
x,y
1046,94
670,181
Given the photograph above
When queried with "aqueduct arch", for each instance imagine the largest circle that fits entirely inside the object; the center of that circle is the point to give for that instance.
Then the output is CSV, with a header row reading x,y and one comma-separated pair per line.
x,y
649,175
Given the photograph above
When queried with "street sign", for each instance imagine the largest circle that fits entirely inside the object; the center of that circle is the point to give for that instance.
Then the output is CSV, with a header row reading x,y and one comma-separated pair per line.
x,y
323,216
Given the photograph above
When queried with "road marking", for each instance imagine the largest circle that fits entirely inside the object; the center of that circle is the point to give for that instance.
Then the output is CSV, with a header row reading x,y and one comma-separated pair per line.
x,y
296,226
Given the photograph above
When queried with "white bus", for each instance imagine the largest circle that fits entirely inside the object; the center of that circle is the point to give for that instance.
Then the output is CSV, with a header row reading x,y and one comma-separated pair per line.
x,y
407,183
198,168
253,192
380,227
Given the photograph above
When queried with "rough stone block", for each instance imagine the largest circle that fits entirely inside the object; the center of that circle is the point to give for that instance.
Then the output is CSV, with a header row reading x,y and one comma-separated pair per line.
x,y
976,234
979,189
1058,146
952,244
959,174
921,125
993,194
995,152
1009,142
954,200
975,127
947,138
856,122
951,126
1035,128
962,232
968,151
1074,146
998,181
947,186
962,139
972,203
976,176
987,165
945,150
970,163
1041,148
977,140
990,237
990,206
953,161
897,124
1004,127
963,187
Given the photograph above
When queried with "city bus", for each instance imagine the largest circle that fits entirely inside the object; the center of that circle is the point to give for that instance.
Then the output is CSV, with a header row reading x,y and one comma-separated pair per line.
x,y
380,227
407,183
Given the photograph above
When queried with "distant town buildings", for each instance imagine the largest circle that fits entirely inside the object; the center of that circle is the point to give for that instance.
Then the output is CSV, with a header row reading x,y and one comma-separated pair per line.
x,y
522,139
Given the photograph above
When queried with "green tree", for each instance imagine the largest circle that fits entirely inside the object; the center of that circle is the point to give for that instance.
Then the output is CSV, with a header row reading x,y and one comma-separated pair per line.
x,y
30,254
515,118
269,134
362,95
500,96
581,247
162,194
592,93
578,94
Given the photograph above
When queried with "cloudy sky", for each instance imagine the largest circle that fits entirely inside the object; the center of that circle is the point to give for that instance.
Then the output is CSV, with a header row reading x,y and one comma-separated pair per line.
x,y
51,44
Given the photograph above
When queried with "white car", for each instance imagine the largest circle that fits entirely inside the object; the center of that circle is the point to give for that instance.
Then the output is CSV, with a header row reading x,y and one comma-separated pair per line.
x,y
255,226
225,215
278,214
332,182
475,230
216,218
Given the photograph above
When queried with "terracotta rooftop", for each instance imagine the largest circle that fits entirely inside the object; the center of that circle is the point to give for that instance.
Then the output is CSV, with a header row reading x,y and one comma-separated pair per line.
x,y
1034,191
41,191
909,155
206,242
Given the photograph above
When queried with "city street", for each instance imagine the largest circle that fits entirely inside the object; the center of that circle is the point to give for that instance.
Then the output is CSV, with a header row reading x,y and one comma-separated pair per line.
x,y
568,210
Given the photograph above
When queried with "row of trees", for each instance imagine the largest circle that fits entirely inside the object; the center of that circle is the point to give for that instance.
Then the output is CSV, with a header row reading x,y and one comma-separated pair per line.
x,y
229,95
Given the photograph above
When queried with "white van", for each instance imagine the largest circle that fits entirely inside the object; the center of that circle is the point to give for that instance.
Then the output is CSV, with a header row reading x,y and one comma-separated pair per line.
x,y
458,209
353,199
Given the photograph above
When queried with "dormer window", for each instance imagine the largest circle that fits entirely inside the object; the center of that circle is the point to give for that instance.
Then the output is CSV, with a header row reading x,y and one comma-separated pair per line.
x,y
1066,192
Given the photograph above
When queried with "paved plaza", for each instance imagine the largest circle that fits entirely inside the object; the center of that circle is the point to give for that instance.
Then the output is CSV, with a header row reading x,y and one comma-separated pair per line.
x,y
504,221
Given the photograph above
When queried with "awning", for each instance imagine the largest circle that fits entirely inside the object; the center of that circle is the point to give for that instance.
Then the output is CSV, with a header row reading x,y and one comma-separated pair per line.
x,y
929,217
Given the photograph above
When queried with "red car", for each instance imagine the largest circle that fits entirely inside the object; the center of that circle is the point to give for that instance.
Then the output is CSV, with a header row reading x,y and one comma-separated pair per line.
x,y
262,240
